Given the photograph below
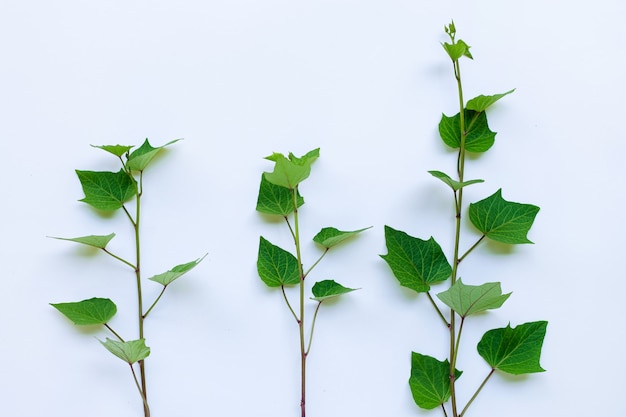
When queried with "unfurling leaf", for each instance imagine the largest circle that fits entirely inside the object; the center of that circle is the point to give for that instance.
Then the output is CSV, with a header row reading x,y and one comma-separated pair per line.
x,y
329,236
275,199
502,220
415,263
457,50
276,266
141,157
117,150
130,351
455,185
481,103
168,277
514,350
430,381
479,137
471,299
107,190
289,172
96,241
88,312
326,289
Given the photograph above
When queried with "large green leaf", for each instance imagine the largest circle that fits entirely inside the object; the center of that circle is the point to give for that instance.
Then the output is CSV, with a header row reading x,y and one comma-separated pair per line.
x,y
275,199
455,185
481,103
479,137
107,190
117,150
416,263
502,220
176,272
141,157
514,350
471,299
330,236
289,172
88,312
130,351
97,241
326,289
276,266
430,380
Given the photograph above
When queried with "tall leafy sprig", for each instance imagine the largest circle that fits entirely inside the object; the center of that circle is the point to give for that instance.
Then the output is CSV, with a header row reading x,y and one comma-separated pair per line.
x,y
109,192
278,268
418,264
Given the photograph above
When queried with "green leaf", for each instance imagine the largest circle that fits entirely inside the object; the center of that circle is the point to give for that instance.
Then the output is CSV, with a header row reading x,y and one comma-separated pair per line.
x,y
107,190
168,277
88,312
96,241
130,351
479,137
275,199
457,50
289,172
514,350
472,299
329,236
481,103
326,289
455,185
276,266
430,381
415,263
117,150
141,157
502,220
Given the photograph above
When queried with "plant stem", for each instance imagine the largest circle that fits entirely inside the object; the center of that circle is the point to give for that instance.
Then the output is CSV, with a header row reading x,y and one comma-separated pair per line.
x,y
319,303
477,392
114,332
146,408
430,297
293,313
155,302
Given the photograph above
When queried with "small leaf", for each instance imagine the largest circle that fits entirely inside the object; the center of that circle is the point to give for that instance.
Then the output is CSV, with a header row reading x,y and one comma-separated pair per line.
x,y
130,351
117,150
168,277
274,199
107,190
96,241
414,262
514,350
472,299
289,172
502,220
430,381
329,236
481,103
455,185
457,50
276,266
326,289
479,137
141,157
88,312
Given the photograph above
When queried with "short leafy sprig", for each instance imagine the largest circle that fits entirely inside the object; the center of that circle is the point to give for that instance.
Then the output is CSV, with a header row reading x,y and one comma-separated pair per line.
x,y
418,264
278,268
109,192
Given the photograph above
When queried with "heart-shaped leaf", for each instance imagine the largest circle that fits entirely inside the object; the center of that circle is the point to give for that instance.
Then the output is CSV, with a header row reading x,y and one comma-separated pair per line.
x,y
275,199
130,351
472,299
276,266
107,190
176,272
289,172
481,103
96,241
330,236
430,381
88,312
142,156
326,289
479,138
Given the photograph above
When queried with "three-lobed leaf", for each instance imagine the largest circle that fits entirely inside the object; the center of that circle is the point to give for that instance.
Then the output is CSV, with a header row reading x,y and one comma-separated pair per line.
x,y
275,199
502,220
176,272
430,380
323,290
139,159
482,102
330,236
479,138
416,263
97,241
276,266
290,171
107,190
514,350
88,312
471,299
455,185
130,351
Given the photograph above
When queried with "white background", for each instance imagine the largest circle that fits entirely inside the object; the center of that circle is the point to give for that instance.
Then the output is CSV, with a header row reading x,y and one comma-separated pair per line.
x,y
366,81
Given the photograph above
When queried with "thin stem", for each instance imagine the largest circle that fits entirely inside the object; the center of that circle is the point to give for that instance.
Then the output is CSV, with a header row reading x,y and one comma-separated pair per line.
x,y
315,264
432,301
119,258
155,302
114,332
146,408
458,343
477,392
313,327
295,316
445,413
293,235
471,249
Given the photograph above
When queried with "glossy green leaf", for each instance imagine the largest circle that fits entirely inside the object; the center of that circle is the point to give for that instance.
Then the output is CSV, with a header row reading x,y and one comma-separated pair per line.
x,y
330,236
481,103
502,220
455,185
276,266
479,137
130,351
416,263
457,50
96,241
430,381
275,199
88,312
142,156
168,277
326,289
514,350
106,190
471,299
117,150
289,172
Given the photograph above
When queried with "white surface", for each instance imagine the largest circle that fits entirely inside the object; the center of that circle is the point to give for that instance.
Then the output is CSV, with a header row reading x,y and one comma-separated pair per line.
x,y
367,82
